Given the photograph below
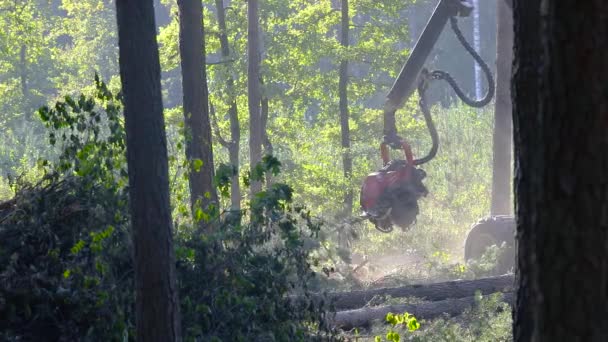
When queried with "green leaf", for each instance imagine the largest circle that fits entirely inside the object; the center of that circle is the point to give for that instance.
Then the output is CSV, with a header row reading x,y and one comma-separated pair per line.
x,y
200,214
197,164
413,325
77,247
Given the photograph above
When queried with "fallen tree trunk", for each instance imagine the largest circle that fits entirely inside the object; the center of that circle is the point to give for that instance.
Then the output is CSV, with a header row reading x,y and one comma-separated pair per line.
x,y
363,317
429,292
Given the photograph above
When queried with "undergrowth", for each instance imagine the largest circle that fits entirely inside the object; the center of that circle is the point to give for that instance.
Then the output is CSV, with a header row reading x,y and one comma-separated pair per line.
x,y
66,268
489,320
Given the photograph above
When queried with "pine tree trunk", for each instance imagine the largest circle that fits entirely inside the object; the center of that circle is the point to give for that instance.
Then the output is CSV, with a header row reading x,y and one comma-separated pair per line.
x,y
562,181
501,174
347,162
196,103
157,305
526,49
253,86
235,127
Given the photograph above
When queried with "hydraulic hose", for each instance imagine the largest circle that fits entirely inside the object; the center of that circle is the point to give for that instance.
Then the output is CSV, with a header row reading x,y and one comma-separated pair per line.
x,y
428,119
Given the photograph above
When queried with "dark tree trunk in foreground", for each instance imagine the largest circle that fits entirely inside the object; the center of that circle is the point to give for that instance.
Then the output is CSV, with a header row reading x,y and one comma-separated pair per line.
x,y
524,92
347,161
253,87
196,103
501,174
561,125
235,128
157,306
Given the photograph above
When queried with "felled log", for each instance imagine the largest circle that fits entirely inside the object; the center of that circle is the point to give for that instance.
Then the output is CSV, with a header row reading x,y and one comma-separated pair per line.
x,y
363,317
428,292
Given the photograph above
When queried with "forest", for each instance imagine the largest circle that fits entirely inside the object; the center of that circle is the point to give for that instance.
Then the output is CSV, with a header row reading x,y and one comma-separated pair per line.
x,y
305,170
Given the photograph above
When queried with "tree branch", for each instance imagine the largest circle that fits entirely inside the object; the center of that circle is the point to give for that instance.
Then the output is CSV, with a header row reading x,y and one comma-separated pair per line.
x,y
216,127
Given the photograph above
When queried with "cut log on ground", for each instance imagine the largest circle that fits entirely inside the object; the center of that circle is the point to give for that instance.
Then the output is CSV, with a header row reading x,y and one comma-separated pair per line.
x,y
363,317
428,292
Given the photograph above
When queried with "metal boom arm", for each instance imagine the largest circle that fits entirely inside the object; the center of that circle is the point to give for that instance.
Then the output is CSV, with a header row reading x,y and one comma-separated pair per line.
x,y
405,84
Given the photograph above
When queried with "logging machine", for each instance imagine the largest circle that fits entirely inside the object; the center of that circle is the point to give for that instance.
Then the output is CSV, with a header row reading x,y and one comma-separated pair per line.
x,y
389,197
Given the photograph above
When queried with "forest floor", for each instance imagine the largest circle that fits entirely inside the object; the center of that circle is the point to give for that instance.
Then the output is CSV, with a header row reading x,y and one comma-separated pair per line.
x,y
375,270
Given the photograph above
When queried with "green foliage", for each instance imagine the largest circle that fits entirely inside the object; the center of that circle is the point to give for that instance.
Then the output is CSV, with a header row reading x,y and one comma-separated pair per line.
x,y
62,260
248,271
69,241
299,70
488,320
66,273
223,176
47,48
405,320
89,149
67,40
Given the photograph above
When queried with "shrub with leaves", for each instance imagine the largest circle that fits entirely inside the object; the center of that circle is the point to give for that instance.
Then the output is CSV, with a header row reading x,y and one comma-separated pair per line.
x,y
64,271
405,321
66,267
236,281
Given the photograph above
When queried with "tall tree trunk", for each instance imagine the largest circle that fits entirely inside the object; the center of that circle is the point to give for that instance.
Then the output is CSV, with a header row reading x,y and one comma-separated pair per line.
x,y
347,162
253,87
563,174
524,92
24,86
268,148
501,174
196,104
157,305
23,66
235,128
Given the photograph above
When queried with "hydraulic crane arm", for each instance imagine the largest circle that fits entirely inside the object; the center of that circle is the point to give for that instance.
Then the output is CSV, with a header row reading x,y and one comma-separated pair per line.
x,y
390,196
406,82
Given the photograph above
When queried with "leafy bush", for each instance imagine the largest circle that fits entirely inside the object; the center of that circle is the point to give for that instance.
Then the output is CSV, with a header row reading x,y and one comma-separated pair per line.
x,y
407,321
250,270
65,267
66,271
